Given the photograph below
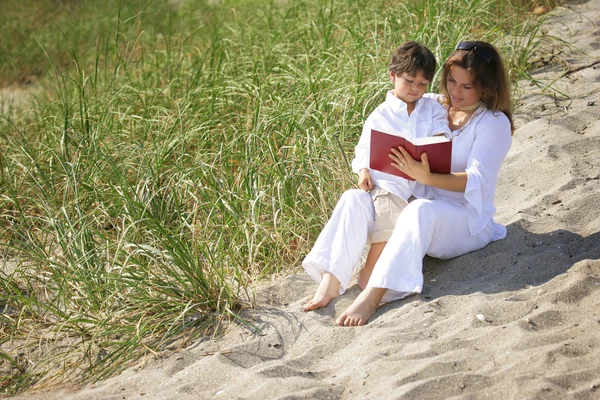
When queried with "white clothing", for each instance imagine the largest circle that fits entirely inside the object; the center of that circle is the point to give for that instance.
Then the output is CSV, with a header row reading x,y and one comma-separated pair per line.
x,y
479,150
446,225
428,118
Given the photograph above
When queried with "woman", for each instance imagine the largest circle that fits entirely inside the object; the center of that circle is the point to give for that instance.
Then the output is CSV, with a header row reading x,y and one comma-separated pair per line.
x,y
453,213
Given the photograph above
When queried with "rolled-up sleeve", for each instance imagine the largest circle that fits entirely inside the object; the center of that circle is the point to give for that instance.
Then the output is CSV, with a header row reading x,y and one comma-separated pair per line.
x,y
439,120
492,142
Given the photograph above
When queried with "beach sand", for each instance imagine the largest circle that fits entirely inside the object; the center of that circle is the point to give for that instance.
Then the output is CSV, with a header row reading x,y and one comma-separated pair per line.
x,y
519,319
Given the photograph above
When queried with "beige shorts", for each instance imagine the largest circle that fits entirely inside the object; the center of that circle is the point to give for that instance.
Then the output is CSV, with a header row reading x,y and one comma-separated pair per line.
x,y
388,207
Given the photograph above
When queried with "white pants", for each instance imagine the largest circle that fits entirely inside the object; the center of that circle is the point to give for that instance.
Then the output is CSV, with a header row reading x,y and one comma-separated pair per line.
x,y
437,228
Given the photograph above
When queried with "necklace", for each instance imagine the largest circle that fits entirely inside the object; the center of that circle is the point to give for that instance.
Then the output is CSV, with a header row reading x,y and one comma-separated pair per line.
x,y
469,108
473,117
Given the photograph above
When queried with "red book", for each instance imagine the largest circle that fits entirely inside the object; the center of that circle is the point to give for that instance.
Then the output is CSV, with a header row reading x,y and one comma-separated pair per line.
x,y
438,149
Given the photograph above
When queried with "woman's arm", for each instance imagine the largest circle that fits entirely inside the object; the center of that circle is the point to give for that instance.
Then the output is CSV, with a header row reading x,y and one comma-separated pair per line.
x,y
455,182
490,146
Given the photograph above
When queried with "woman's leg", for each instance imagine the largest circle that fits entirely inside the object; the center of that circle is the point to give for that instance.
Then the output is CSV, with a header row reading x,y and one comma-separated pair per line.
x,y
361,310
436,228
339,247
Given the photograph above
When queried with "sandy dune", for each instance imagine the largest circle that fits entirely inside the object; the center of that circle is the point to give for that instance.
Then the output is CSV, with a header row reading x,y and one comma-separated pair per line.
x,y
519,319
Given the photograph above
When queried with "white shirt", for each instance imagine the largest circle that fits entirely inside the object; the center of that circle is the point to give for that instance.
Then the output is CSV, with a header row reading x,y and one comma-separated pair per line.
x,y
479,149
427,119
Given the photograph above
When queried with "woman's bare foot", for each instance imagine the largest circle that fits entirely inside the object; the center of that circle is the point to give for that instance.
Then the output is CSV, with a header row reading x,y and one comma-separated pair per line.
x,y
365,273
329,289
363,308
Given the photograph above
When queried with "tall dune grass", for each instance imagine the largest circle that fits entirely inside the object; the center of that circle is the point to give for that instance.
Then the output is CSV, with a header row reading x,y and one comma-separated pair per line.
x,y
181,151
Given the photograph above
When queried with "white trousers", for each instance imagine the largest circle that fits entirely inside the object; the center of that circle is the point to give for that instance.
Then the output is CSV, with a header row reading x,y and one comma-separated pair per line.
x,y
437,228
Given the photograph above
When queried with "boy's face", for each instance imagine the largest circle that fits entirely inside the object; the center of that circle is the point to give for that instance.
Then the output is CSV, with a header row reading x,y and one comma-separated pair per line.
x,y
409,88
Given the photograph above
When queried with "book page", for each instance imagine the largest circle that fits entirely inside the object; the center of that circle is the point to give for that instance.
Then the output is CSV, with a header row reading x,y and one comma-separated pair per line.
x,y
429,140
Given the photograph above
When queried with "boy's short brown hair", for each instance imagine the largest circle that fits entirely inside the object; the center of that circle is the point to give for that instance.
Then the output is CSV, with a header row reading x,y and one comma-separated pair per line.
x,y
412,58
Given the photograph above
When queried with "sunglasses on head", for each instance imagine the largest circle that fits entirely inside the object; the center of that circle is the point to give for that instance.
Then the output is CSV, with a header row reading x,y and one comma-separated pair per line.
x,y
480,51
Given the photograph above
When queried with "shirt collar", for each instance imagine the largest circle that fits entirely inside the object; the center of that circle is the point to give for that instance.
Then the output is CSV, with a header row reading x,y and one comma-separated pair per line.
x,y
398,105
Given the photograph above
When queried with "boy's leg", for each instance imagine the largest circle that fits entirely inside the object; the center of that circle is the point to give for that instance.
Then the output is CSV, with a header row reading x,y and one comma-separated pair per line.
x,y
387,207
329,289
339,247
361,310
372,257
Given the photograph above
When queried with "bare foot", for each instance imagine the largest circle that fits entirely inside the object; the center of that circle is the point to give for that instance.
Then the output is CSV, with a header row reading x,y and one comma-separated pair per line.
x,y
367,270
363,308
329,289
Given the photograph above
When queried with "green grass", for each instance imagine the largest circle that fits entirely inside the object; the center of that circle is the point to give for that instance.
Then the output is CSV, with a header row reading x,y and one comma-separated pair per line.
x,y
177,153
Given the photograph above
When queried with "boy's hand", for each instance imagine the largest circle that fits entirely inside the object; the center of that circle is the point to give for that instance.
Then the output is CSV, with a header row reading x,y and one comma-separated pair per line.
x,y
365,182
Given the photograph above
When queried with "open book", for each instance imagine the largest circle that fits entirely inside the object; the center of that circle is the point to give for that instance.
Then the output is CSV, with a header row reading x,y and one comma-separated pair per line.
x,y
438,149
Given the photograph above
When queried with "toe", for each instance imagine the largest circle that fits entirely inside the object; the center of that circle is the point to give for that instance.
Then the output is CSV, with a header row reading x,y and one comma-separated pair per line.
x,y
315,305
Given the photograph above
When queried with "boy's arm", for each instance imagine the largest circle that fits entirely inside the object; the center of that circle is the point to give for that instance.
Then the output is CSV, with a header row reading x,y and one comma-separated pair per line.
x,y
363,148
365,182
360,163
439,124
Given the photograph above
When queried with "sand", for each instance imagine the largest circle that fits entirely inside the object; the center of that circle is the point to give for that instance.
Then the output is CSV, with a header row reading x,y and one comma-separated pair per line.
x,y
519,319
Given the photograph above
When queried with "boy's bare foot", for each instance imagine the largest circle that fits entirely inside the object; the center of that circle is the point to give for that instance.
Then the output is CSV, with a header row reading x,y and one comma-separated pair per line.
x,y
329,289
365,273
363,308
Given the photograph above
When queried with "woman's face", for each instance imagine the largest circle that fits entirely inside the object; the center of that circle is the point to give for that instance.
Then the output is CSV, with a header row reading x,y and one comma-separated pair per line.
x,y
460,88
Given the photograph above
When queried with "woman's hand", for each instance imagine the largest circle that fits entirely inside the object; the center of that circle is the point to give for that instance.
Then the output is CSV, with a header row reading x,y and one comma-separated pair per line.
x,y
418,170
365,182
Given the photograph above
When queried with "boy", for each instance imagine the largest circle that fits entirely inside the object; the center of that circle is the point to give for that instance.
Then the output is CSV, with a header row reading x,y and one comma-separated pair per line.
x,y
411,68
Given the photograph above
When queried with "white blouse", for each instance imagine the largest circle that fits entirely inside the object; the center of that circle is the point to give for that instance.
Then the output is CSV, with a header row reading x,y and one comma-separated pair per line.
x,y
479,149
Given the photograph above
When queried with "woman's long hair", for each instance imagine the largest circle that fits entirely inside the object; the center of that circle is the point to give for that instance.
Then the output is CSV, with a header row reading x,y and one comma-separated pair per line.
x,y
490,79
